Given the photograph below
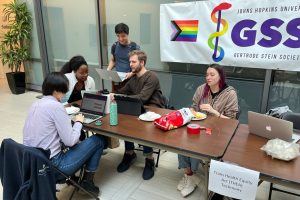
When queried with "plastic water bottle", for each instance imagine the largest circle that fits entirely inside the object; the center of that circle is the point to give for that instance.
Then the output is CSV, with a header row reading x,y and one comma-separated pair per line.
x,y
113,116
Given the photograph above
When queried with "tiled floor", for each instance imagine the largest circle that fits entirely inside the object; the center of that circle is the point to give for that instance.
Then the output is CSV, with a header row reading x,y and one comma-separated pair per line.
x,y
114,186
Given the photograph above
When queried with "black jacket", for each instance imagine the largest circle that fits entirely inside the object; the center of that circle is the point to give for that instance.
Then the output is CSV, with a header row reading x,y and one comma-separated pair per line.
x,y
25,173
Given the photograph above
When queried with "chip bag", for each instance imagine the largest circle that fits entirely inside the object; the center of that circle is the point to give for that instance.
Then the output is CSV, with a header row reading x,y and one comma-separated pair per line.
x,y
174,119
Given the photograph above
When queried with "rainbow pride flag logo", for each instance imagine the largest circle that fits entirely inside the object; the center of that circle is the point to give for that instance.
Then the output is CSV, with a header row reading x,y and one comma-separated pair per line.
x,y
184,30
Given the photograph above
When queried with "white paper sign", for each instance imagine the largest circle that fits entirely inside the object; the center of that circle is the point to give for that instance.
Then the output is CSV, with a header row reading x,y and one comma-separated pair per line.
x,y
232,181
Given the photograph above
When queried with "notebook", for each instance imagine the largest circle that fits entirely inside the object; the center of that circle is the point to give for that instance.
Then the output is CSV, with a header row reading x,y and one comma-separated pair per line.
x,y
270,127
129,106
111,75
92,107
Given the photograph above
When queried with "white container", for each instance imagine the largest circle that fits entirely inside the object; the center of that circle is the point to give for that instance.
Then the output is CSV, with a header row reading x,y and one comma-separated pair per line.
x,y
107,106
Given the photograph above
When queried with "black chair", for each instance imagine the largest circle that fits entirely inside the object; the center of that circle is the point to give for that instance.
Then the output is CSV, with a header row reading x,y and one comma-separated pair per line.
x,y
27,172
295,118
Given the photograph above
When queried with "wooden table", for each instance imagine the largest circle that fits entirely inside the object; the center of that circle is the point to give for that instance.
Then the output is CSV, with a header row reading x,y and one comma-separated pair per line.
x,y
201,146
244,150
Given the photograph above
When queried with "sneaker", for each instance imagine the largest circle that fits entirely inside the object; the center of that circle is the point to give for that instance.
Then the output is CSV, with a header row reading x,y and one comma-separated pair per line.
x,y
191,184
182,183
148,172
128,160
90,187
104,152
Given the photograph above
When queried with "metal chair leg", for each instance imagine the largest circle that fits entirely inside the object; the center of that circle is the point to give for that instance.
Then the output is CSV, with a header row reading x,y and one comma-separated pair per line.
x,y
157,159
270,191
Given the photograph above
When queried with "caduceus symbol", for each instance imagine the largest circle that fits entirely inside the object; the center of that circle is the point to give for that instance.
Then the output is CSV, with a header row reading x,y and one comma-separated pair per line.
x,y
218,20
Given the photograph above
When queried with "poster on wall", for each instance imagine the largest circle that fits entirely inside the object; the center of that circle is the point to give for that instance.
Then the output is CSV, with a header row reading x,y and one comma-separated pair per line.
x,y
256,34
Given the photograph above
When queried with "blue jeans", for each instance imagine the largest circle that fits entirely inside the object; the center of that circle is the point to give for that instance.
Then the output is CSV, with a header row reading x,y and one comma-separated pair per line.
x,y
185,162
146,150
87,152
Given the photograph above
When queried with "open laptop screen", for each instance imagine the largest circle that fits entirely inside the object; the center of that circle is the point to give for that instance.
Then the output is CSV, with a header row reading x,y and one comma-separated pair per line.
x,y
129,106
270,127
111,75
93,103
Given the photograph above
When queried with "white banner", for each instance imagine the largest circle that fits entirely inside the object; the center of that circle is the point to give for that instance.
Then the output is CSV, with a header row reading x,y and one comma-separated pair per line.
x,y
233,181
257,33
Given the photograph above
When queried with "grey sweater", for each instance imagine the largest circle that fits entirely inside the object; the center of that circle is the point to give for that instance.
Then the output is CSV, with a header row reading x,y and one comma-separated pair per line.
x,y
146,88
226,102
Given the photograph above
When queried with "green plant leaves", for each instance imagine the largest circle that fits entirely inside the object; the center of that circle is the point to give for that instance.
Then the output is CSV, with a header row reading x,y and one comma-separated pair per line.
x,y
15,46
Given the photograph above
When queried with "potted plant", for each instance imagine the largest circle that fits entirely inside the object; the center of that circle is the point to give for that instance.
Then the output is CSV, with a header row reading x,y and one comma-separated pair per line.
x,y
15,45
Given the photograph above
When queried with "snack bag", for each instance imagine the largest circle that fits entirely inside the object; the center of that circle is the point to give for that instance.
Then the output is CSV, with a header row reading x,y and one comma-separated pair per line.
x,y
174,119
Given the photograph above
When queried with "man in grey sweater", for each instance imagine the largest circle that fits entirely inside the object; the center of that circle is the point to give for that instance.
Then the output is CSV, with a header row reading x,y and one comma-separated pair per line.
x,y
145,86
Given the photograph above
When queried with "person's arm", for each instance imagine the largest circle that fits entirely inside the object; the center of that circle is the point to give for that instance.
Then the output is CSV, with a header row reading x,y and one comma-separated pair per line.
x,y
125,89
128,75
79,85
208,108
68,134
232,106
90,85
196,99
111,63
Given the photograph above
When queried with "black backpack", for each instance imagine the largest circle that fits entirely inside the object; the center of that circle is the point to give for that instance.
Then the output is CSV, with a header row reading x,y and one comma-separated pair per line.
x,y
132,46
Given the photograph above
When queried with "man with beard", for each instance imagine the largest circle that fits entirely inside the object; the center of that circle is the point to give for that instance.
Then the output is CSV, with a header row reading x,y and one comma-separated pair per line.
x,y
145,86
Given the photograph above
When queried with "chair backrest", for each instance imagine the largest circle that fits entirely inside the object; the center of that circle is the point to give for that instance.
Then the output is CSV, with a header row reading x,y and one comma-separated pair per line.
x,y
293,117
21,165
167,103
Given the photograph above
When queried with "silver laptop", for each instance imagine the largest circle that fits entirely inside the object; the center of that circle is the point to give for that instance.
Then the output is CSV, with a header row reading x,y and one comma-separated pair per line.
x,y
92,107
270,127
111,75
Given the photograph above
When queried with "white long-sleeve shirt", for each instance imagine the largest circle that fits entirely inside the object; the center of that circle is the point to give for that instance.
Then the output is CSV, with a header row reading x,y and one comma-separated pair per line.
x,y
89,85
47,124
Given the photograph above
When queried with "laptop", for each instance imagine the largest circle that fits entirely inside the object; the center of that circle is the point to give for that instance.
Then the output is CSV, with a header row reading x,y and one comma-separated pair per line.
x,y
129,106
270,127
111,75
92,107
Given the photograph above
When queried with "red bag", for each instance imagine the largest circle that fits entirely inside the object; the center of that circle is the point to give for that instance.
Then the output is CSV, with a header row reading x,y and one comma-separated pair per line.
x,y
174,119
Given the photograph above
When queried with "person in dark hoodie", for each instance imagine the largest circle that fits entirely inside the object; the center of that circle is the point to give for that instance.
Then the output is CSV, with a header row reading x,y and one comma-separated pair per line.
x,y
48,126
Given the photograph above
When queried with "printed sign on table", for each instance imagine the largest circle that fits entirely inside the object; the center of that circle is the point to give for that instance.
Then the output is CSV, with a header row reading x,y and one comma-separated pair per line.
x,y
233,181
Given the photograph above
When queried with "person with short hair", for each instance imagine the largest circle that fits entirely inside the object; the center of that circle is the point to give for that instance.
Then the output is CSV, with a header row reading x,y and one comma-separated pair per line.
x,y
48,125
143,85
215,98
77,71
119,53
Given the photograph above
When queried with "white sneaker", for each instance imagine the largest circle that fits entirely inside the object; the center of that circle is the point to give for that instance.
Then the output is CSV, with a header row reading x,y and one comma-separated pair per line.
x,y
182,183
191,184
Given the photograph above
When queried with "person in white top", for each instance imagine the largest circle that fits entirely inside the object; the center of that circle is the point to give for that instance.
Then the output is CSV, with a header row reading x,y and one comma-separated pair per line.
x,y
76,70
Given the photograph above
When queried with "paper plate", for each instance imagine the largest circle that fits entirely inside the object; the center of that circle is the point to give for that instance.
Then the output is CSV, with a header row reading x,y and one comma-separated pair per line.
x,y
72,110
149,116
203,116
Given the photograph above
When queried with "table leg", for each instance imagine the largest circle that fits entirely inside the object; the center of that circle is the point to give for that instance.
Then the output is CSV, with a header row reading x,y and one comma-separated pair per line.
x,y
206,168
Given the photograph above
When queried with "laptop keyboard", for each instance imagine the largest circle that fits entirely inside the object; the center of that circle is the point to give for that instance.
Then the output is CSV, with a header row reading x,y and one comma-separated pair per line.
x,y
89,116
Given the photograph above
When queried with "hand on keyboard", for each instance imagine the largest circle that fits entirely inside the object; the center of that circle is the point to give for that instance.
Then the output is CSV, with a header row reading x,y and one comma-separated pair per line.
x,y
79,118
